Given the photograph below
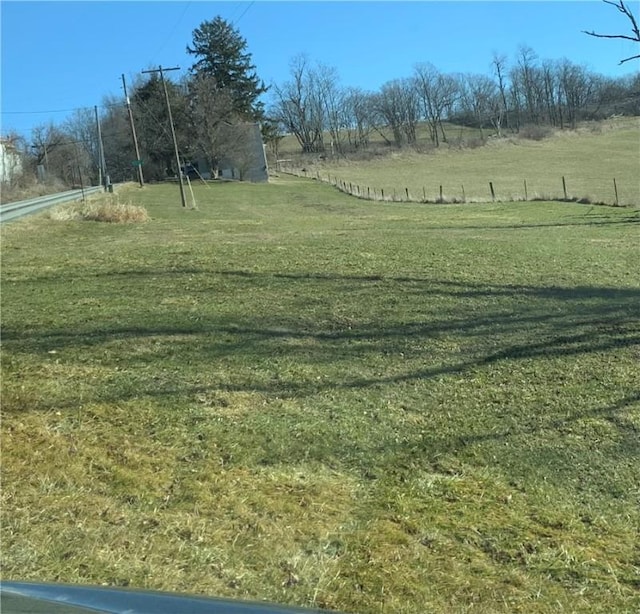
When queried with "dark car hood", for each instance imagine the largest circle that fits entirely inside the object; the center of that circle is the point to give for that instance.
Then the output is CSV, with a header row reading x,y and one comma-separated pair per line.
x,y
43,598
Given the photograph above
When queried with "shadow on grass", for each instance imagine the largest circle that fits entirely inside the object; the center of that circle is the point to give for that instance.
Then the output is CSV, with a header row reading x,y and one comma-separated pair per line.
x,y
446,328
611,412
590,451
526,322
586,221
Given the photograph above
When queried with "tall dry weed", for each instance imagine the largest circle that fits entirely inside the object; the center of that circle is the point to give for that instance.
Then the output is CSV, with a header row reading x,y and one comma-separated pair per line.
x,y
104,209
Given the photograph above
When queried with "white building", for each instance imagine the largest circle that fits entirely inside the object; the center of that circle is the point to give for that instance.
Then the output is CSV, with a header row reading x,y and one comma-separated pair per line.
x,y
245,158
10,161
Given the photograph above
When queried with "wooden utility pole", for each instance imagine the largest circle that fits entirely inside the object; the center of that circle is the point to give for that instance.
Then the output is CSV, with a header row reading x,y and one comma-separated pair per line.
x,y
133,133
102,169
173,130
75,148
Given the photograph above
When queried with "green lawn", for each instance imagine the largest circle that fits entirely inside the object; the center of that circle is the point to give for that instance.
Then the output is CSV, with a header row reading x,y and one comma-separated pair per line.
x,y
293,395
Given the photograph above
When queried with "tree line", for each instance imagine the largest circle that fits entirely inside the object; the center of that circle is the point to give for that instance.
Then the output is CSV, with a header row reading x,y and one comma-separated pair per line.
x,y
222,91
525,92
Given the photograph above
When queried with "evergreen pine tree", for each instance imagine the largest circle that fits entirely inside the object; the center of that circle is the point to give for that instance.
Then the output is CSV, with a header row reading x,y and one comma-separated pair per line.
x,y
222,55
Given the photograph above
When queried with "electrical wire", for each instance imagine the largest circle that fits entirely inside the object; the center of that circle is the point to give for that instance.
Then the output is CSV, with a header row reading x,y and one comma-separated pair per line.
x,y
175,26
42,112
162,126
112,105
101,106
235,22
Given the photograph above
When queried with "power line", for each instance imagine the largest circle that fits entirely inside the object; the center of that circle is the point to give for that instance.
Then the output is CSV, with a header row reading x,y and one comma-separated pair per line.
x,y
40,112
175,26
235,22
140,102
88,108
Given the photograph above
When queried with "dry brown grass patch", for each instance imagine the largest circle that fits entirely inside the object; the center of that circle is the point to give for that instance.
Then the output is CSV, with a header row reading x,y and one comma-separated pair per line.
x,y
24,189
103,209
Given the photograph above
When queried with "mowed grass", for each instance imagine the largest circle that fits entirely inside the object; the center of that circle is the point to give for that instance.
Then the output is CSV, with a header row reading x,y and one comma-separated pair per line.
x,y
589,159
297,396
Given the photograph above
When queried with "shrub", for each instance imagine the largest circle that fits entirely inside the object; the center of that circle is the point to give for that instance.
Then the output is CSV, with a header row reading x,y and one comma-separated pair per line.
x,y
534,132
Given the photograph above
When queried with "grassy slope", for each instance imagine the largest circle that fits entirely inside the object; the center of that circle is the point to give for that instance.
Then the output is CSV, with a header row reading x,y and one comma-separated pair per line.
x,y
589,159
296,396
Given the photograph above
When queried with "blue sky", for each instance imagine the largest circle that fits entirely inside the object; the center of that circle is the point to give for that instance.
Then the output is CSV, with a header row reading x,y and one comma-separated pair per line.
x,y
58,56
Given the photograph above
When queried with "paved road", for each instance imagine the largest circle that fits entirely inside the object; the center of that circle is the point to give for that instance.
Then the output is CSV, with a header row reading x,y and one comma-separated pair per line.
x,y
13,211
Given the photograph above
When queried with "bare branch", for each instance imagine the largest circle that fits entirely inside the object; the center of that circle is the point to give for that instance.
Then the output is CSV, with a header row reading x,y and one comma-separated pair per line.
x,y
622,7
629,38
633,57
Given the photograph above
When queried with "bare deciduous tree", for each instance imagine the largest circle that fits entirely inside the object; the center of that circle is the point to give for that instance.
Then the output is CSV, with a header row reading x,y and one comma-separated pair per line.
x,y
81,128
212,110
499,64
116,134
480,98
325,80
438,94
359,117
635,36
298,107
61,154
398,104
46,140
576,88
531,80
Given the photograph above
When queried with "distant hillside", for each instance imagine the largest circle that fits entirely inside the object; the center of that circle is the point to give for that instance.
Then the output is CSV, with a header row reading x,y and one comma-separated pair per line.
x,y
589,159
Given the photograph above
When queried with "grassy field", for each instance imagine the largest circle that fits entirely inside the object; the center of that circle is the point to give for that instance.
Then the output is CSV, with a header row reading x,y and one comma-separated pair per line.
x,y
294,395
589,158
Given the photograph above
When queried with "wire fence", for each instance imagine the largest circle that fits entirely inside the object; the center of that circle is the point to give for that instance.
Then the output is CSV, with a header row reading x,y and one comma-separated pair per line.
x,y
459,195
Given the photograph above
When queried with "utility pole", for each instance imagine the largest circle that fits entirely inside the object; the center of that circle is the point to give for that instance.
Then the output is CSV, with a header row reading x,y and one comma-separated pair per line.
x,y
102,167
133,133
173,130
75,148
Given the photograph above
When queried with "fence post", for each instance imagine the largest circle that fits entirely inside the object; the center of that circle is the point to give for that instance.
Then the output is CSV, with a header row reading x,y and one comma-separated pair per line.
x,y
493,194
615,188
526,196
407,191
464,198
424,194
440,199
382,190
564,187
